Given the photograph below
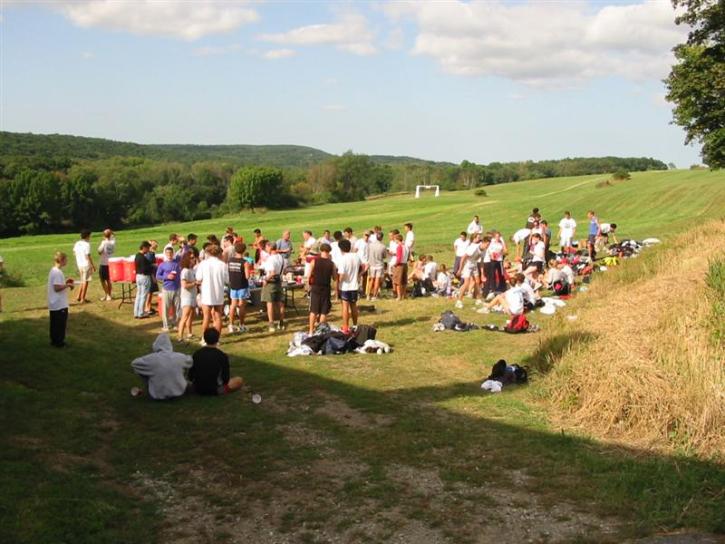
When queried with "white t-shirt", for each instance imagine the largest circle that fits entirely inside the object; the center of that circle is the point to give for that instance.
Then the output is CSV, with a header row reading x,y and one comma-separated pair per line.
x,y
57,300
443,280
539,252
515,300
473,252
361,248
188,274
309,242
460,247
349,271
494,252
567,227
430,270
474,228
605,228
82,250
105,250
554,275
393,249
213,275
410,240
520,235
568,274
274,264
335,254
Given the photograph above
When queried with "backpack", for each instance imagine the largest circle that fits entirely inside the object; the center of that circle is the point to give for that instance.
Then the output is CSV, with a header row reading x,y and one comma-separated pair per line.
x,y
335,343
508,374
518,323
561,288
365,332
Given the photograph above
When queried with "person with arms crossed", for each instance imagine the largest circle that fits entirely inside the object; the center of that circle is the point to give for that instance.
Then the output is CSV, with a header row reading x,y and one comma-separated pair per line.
x,y
238,287
567,232
144,269
475,226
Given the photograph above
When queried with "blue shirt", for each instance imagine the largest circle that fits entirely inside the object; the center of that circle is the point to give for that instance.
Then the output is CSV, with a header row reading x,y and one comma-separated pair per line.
x,y
593,227
163,272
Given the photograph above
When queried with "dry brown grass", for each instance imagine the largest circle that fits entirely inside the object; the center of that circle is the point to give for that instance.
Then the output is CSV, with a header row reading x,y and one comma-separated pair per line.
x,y
652,374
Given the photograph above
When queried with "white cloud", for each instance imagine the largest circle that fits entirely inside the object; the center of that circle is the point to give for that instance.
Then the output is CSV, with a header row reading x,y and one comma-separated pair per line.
x,y
275,54
334,107
544,43
350,33
188,20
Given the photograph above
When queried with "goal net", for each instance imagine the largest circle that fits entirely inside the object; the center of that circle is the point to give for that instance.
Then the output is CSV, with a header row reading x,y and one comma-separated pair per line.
x,y
419,187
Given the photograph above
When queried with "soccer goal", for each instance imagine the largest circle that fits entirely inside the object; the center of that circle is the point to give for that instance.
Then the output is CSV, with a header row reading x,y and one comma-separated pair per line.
x,y
419,187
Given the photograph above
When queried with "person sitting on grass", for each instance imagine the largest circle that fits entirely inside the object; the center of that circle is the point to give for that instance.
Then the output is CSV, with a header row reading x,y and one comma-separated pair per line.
x,y
442,283
512,301
209,372
162,370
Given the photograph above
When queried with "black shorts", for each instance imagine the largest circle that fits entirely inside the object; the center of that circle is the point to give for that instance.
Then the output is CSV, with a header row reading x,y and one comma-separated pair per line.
x,y
539,266
103,272
320,303
349,296
592,239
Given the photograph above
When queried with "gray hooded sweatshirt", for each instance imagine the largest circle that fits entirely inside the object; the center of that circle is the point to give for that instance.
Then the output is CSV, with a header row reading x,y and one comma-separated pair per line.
x,y
164,369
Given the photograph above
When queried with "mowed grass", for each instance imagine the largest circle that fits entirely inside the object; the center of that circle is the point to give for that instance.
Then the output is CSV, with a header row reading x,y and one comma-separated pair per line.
x,y
353,448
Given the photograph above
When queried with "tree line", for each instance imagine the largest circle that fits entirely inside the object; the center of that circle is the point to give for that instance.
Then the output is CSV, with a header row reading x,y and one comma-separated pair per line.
x,y
45,193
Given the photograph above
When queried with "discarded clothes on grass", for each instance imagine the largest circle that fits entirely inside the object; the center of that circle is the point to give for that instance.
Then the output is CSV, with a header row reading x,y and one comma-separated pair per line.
x,y
451,322
503,374
327,340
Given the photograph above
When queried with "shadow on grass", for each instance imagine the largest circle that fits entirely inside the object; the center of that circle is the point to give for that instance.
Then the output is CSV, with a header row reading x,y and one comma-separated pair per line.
x,y
553,348
57,405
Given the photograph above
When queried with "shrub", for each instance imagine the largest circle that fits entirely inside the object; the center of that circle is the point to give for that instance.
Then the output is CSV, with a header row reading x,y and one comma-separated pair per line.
x,y
480,192
621,175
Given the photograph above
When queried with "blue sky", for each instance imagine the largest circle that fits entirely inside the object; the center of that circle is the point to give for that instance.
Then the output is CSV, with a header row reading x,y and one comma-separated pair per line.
x,y
482,81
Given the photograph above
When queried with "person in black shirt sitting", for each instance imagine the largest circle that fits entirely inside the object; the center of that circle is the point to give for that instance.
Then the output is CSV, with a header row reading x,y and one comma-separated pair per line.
x,y
209,374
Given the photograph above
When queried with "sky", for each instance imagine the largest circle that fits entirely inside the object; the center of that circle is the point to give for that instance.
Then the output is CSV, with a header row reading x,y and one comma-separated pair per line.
x,y
482,81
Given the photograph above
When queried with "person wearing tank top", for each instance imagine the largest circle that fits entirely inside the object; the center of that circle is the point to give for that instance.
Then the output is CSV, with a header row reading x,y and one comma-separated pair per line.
x,y
322,272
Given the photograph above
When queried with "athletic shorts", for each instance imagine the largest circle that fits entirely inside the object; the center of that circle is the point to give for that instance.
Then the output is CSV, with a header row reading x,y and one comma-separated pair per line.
x,y
272,292
592,239
400,274
239,294
376,272
349,296
84,274
103,272
470,271
565,241
320,303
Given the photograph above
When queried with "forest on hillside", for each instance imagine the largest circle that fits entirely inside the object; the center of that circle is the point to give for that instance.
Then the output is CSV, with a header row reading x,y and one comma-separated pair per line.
x,y
59,183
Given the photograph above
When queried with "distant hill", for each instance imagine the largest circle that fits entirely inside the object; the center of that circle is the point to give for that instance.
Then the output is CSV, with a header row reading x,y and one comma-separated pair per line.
x,y
79,147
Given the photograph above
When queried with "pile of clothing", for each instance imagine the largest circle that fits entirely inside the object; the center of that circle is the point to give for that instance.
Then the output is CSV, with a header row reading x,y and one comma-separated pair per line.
x,y
551,304
327,340
503,374
451,322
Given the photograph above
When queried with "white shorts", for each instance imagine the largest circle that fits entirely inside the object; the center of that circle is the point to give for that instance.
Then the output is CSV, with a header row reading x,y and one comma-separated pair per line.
x,y
565,241
470,272
84,274
375,272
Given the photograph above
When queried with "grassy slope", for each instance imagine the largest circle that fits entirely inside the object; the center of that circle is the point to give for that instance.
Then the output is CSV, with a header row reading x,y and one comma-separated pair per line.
x,y
75,445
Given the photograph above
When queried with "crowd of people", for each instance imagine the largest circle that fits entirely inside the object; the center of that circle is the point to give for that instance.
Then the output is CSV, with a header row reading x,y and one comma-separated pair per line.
x,y
216,280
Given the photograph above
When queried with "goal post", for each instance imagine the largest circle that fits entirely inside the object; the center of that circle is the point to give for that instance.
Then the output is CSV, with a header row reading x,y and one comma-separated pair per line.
x,y
419,187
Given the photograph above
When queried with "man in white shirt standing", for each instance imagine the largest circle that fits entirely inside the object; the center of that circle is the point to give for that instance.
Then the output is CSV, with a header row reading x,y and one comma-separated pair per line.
x,y
459,249
213,275
475,226
82,251
349,271
410,239
58,300
105,250
567,231
272,292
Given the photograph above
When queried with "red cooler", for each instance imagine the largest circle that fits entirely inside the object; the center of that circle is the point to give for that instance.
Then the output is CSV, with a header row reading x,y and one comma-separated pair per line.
x,y
129,270
115,269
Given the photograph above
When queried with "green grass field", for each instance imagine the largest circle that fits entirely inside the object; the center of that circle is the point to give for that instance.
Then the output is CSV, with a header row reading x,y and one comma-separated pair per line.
x,y
401,447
